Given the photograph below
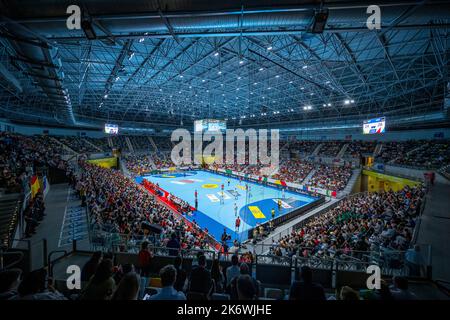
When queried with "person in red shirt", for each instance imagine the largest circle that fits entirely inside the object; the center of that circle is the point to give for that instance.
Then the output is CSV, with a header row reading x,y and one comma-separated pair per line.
x,y
238,223
144,258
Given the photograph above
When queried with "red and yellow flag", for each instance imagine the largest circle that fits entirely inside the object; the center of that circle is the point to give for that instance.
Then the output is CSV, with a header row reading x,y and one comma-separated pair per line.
x,y
35,186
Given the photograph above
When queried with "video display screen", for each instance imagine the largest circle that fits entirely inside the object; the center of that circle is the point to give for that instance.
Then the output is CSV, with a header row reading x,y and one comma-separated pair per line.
x,y
374,126
111,128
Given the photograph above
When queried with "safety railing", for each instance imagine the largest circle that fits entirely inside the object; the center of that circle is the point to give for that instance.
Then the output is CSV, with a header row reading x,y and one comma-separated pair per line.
x,y
4,265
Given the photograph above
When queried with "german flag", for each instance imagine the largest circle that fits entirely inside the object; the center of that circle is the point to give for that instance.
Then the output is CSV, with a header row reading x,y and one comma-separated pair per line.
x,y
35,186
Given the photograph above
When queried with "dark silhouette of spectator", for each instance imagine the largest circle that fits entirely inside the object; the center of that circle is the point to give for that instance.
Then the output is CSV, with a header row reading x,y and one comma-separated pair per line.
x,y
200,279
36,286
101,286
245,287
90,267
217,276
174,244
400,289
306,289
128,288
348,294
181,274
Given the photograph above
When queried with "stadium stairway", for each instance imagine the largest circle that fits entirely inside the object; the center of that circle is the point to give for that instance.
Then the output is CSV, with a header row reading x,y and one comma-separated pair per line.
x,y
129,144
317,150
410,151
9,208
54,227
434,230
342,151
378,149
309,176
351,183
66,147
92,145
153,144
110,142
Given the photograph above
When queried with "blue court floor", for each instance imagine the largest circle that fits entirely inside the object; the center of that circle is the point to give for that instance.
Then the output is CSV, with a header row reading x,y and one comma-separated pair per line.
x,y
217,210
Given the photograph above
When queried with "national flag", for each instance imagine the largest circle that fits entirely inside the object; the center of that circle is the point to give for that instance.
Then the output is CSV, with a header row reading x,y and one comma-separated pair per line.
x,y
228,171
281,182
35,186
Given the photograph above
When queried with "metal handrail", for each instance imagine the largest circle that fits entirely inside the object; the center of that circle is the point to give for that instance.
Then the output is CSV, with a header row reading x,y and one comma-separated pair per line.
x,y
50,263
2,254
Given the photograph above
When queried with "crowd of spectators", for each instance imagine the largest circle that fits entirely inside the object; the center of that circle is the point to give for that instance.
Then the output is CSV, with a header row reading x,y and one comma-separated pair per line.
x,y
293,170
302,146
21,156
365,222
433,155
117,204
101,143
357,148
394,150
163,143
103,280
140,143
77,144
333,178
330,148
138,164
120,143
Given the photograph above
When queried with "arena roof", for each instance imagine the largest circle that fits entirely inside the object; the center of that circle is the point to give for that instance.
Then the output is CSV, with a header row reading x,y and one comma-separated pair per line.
x,y
250,62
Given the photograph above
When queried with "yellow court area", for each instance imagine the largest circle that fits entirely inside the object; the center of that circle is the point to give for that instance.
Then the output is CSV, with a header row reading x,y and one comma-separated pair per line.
x,y
240,187
256,212
378,182
104,162
209,186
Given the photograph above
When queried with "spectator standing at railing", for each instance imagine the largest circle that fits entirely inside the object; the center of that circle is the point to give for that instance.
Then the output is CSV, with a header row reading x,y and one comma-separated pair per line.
x,y
174,244
145,258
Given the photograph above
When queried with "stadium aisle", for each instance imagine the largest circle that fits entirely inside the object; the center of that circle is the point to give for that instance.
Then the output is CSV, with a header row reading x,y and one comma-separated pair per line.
x,y
434,229
56,202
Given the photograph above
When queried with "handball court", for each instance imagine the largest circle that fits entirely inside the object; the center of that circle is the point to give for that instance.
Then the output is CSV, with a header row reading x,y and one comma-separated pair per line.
x,y
221,199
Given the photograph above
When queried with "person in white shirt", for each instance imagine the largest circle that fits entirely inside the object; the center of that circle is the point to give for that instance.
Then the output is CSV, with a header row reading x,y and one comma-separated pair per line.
x,y
168,276
233,270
